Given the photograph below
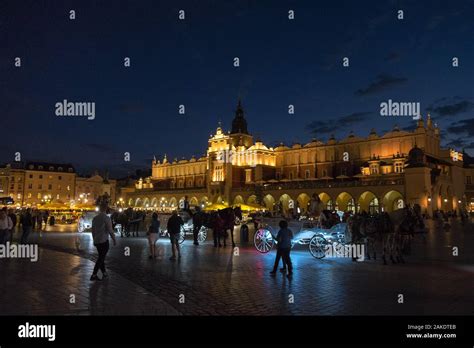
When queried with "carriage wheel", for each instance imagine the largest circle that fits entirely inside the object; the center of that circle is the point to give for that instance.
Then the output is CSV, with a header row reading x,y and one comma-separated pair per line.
x,y
202,234
263,240
182,236
318,246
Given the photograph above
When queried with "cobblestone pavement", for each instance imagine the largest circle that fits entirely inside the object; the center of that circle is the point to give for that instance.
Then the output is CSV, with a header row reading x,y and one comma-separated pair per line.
x,y
218,282
58,284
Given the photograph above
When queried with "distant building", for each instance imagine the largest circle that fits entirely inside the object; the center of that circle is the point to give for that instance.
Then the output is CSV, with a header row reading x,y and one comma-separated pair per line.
x,y
33,183
373,173
88,189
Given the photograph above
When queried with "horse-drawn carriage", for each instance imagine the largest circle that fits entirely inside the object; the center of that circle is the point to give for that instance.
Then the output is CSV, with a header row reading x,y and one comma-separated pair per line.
x,y
186,229
320,239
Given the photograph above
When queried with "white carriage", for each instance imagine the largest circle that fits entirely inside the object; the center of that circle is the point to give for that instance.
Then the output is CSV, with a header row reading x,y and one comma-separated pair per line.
x,y
186,229
320,241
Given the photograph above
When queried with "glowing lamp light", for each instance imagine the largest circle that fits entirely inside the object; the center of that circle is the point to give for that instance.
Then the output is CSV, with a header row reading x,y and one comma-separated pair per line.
x,y
445,200
96,208
429,199
120,210
459,201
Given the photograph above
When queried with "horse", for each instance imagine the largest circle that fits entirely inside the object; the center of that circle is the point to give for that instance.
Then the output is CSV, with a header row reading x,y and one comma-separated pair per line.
x,y
404,223
228,216
363,229
121,219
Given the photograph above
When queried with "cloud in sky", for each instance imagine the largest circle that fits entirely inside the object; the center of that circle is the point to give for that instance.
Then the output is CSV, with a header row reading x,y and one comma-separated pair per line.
x,y
451,108
326,127
381,83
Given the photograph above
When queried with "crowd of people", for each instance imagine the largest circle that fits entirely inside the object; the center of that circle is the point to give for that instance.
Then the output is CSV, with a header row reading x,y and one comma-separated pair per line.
x,y
26,221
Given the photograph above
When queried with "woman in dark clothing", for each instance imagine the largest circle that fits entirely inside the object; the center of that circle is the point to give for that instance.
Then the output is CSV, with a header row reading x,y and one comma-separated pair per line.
x,y
153,232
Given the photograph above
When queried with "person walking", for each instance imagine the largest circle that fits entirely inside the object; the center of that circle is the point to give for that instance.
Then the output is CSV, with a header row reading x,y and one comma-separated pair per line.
x,y
27,222
174,229
12,216
101,230
152,234
284,237
33,218
5,225
197,224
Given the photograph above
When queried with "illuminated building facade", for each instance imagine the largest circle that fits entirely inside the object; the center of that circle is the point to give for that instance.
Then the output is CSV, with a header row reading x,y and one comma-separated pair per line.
x,y
88,189
373,173
33,183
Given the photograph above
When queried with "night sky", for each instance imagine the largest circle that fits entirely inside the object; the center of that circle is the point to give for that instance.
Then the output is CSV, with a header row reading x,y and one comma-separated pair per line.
x,y
190,62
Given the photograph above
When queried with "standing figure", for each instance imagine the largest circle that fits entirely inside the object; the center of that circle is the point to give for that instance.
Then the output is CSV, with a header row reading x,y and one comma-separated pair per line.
x,y
284,237
27,223
5,225
174,225
198,222
101,230
12,216
153,232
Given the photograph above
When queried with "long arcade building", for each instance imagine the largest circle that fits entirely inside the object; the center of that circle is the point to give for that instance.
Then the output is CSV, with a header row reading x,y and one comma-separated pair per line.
x,y
373,173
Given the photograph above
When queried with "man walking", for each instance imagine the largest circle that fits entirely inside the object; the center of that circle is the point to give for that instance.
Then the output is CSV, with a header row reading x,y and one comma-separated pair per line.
x,y
101,230
26,221
174,229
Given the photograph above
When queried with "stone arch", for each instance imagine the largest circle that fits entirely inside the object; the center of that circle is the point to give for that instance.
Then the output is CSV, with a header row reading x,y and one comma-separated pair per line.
x,y
303,201
393,200
369,202
154,202
163,202
269,202
130,202
286,202
252,199
345,202
173,203
327,201
238,200
138,202
193,201
204,201
146,202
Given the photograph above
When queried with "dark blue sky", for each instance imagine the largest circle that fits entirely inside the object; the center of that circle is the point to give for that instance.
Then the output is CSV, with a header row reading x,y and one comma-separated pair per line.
x,y
190,62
